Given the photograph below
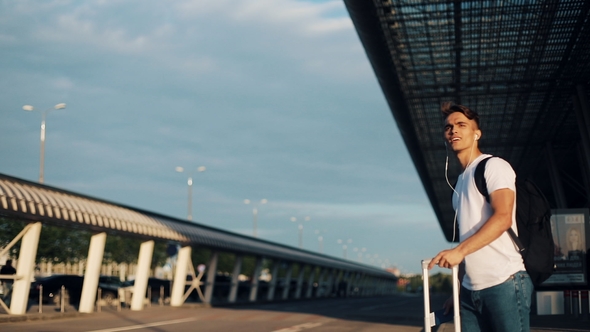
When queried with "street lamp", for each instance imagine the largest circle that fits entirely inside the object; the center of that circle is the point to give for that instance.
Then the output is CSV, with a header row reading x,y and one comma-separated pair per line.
x,y
320,240
300,227
30,108
190,188
360,254
255,215
344,247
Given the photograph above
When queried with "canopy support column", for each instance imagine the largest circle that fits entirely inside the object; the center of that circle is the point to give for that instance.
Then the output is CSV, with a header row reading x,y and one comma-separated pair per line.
x,y
235,281
93,265
144,262
211,273
255,276
25,269
182,263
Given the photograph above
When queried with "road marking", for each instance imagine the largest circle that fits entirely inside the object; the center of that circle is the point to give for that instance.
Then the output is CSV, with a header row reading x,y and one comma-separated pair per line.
x,y
299,327
135,327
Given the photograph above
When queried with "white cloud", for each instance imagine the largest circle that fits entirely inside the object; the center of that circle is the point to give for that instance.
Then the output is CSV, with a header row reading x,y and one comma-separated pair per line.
x,y
276,98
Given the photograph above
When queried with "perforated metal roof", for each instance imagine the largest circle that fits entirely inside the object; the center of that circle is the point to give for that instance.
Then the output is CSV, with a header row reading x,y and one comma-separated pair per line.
x,y
26,200
517,63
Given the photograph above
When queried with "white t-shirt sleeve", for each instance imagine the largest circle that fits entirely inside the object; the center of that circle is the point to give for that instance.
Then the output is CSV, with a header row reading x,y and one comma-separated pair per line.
x,y
499,175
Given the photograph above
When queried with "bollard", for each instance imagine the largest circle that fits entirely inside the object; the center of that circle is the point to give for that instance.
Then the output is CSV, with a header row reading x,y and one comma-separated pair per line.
x,y
98,299
62,298
149,297
119,302
576,303
40,299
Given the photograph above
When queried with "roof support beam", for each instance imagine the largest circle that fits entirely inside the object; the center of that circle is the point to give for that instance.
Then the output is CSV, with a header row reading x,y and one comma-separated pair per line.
x,y
24,269
235,281
144,261
211,273
287,281
310,280
273,282
183,261
299,281
93,265
255,282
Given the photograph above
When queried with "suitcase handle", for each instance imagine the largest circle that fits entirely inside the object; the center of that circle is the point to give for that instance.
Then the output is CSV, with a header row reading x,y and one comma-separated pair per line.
x,y
428,318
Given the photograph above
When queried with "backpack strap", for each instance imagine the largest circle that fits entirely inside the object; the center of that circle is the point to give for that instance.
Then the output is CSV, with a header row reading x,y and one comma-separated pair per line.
x,y
480,179
482,187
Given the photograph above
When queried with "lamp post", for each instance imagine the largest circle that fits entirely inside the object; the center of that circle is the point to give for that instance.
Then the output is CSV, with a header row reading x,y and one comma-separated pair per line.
x,y
360,254
190,188
344,247
320,240
30,108
255,215
300,227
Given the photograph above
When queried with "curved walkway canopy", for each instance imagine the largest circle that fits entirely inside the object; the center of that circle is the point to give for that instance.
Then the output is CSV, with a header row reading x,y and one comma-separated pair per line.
x,y
26,200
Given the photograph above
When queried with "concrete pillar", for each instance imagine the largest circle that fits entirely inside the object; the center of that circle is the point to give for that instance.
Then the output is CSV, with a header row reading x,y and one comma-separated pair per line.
x,y
254,283
321,291
273,282
349,283
211,273
144,263
183,261
93,265
331,283
235,282
25,269
362,282
310,280
371,285
300,281
287,281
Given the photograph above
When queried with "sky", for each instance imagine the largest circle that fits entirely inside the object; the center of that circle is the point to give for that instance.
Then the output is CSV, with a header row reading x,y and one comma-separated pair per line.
x,y
276,98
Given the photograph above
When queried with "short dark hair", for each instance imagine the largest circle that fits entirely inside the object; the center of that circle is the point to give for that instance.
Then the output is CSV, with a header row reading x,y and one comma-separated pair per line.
x,y
449,108
8,261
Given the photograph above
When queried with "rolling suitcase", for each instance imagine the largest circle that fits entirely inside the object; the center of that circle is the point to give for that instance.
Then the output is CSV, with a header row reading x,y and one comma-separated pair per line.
x,y
432,318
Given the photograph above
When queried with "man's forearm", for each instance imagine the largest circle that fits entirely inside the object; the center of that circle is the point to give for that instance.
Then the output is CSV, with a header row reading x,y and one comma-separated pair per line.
x,y
490,231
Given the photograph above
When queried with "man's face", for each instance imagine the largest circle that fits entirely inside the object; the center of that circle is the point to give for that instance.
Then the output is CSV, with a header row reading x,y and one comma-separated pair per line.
x,y
460,132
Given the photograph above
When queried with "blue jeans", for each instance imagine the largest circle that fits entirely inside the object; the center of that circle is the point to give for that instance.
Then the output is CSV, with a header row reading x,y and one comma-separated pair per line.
x,y
501,308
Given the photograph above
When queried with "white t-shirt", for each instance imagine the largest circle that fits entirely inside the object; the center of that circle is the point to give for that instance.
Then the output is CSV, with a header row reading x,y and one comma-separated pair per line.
x,y
496,262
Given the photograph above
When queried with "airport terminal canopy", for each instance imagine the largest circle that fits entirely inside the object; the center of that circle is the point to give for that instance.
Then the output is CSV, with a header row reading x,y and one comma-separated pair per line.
x,y
523,65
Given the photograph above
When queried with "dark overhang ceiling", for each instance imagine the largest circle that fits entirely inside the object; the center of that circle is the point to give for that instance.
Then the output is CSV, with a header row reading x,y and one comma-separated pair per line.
x,y
519,64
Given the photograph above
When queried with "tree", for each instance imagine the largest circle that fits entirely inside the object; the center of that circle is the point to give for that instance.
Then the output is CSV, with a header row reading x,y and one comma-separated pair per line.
x,y
56,244
124,249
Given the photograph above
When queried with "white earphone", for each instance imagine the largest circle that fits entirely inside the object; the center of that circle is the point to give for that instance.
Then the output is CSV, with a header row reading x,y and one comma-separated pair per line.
x,y
476,137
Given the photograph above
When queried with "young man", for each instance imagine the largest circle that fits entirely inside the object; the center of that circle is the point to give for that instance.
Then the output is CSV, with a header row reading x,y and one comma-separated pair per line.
x,y
495,288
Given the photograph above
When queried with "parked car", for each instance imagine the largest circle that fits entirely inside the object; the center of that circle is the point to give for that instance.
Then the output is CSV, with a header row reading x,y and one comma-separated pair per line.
x,y
52,285
109,288
154,286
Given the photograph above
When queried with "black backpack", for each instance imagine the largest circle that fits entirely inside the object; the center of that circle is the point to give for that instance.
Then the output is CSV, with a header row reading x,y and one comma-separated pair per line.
x,y
533,214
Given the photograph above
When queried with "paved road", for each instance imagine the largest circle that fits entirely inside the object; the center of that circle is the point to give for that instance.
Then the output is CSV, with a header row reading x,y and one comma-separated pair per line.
x,y
401,313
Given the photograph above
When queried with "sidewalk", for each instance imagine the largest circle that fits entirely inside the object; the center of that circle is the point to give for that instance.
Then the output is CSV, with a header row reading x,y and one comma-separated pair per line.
x,y
547,323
